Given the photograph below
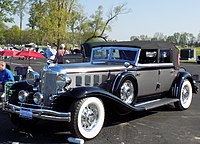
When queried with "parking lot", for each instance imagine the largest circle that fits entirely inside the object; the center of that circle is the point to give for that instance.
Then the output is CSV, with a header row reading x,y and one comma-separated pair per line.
x,y
163,125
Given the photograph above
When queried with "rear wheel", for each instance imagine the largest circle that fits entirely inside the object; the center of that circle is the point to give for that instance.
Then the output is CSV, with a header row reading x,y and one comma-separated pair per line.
x,y
88,116
185,96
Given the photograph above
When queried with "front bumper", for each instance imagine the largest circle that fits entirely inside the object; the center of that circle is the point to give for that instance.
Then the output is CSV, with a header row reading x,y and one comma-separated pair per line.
x,y
39,113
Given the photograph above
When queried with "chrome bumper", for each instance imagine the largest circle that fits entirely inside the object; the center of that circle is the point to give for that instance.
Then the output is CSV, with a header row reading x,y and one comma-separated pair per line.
x,y
39,113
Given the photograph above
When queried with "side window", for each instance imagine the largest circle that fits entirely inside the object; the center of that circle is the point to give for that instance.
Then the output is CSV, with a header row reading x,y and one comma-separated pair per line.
x,y
165,56
124,55
115,54
148,56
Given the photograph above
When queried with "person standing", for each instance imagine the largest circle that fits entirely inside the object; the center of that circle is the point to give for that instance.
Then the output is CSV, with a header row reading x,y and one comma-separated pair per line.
x,y
60,54
5,75
51,52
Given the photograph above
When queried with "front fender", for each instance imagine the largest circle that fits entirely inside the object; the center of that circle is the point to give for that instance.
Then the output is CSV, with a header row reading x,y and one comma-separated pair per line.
x,y
120,77
65,100
21,85
15,88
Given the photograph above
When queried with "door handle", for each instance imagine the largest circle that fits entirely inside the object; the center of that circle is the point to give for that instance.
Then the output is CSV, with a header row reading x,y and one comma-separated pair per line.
x,y
172,71
138,74
159,72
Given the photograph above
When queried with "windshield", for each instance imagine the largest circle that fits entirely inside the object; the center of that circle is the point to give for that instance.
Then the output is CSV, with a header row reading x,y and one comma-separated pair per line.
x,y
117,54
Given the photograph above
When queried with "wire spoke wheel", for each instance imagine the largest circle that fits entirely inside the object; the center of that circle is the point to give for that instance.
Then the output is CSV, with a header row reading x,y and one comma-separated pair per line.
x,y
127,92
88,116
185,96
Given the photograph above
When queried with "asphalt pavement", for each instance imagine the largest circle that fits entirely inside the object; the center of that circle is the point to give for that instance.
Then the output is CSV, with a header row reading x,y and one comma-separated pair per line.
x,y
163,125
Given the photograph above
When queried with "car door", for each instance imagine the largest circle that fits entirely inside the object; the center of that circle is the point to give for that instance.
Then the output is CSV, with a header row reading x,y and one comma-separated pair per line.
x,y
147,72
167,72
147,81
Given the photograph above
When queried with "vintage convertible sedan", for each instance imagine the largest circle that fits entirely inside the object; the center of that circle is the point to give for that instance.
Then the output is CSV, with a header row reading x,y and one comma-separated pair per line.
x,y
121,77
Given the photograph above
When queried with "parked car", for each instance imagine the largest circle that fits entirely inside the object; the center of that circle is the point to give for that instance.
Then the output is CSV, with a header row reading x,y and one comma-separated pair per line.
x,y
198,59
43,51
121,77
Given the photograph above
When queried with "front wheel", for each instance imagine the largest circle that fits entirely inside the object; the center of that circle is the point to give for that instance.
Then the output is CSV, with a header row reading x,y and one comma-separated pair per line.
x,y
88,116
185,96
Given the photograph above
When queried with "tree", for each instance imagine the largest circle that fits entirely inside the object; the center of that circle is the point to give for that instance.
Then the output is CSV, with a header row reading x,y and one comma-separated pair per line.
x,y
30,35
177,38
77,26
198,38
133,38
3,28
97,24
12,35
159,36
36,10
6,10
55,18
21,6
183,39
65,21
171,39
191,39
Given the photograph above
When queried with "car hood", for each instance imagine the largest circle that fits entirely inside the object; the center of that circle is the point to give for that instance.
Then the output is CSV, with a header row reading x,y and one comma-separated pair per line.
x,y
84,67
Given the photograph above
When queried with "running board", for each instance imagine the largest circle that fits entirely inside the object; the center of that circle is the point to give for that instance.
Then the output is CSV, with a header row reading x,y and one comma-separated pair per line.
x,y
156,103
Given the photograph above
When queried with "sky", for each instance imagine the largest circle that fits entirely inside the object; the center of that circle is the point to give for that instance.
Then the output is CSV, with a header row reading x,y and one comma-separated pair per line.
x,y
147,17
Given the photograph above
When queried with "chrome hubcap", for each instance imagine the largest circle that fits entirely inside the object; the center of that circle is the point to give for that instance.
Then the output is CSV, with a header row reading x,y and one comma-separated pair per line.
x,y
127,92
89,117
185,94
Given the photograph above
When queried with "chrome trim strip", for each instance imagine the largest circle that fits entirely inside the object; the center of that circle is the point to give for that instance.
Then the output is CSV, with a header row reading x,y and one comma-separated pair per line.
x,y
175,89
34,105
39,113
177,92
155,64
143,103
172,91
113,86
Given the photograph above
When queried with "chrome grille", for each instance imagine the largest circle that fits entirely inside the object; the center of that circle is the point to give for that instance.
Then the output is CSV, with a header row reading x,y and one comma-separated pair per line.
x,y
48,85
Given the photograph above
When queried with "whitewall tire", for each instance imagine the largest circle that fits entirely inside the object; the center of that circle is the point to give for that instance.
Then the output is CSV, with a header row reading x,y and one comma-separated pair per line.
x,y
185,96
88,116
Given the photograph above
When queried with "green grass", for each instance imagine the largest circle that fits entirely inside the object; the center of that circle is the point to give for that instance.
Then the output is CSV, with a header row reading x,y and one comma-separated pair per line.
x,y
197,51
188,61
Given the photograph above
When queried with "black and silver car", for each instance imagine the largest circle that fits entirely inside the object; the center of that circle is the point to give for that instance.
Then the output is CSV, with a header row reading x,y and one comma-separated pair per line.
x,y
121,77
198,59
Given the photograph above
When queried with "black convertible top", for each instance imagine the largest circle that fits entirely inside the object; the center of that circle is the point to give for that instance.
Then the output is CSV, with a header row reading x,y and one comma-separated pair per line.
x,y
87,47
141,44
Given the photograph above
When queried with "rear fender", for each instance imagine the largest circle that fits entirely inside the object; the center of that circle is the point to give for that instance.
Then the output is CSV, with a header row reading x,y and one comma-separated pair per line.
x,y
176,88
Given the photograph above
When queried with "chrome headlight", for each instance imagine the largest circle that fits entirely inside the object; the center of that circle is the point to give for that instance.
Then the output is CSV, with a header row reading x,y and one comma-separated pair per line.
x,y
38,98
23,95
62,81
32,77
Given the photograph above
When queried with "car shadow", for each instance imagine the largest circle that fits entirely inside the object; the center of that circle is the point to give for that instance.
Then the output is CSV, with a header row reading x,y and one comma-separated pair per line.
x,y
42,132
115,119
54,132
